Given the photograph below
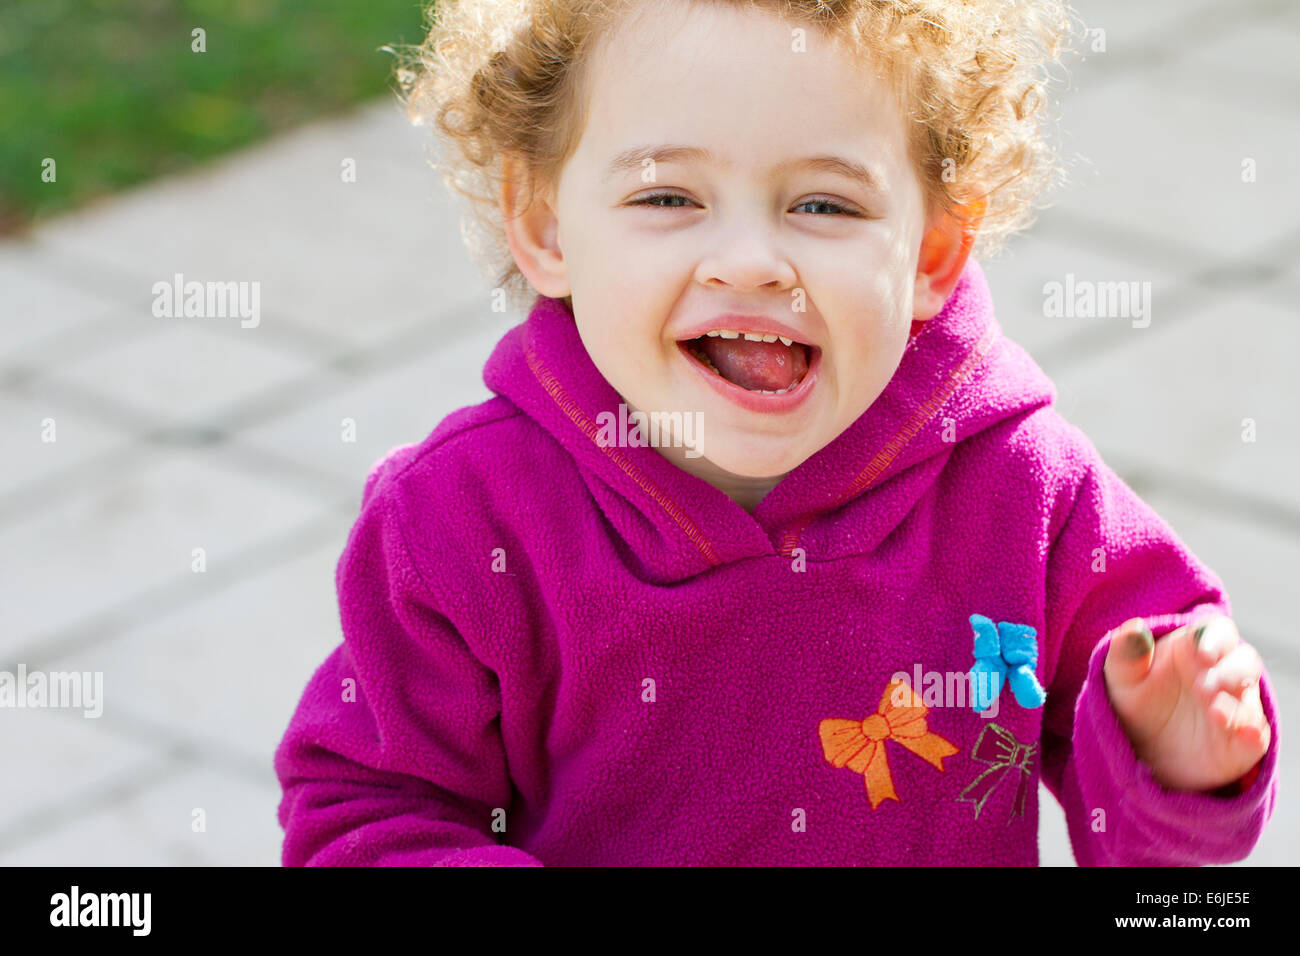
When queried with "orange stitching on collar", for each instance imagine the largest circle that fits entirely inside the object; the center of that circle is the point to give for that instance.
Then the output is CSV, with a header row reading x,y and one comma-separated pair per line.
x,y
579,418
923,413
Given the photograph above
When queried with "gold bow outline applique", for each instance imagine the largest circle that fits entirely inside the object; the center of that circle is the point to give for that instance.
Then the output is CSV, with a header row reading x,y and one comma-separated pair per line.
x,y
997,747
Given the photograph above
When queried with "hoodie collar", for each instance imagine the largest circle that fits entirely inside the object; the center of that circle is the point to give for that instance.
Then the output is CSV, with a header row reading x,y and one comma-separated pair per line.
x,y
958,375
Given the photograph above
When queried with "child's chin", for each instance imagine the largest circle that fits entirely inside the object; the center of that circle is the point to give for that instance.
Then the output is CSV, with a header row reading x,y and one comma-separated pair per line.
x,y
764,460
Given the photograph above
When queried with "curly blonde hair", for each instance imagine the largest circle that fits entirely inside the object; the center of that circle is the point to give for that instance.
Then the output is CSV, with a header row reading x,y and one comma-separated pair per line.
x,y
497,77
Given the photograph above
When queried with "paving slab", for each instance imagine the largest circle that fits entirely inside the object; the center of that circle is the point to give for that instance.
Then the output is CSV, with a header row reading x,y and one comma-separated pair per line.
x,y
1025,277
155,827
36,307
353,260
397,408
103,547
225,671
44,437
182,375
60,759
1149,160
1257,562
1253,62
1139,26
1184,395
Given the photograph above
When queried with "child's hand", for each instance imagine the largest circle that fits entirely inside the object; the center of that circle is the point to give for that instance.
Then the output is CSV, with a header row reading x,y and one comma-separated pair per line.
x,y
1190,708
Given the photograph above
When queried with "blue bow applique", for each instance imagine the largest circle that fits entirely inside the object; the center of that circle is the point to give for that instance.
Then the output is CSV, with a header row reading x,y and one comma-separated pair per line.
x,y
1005,653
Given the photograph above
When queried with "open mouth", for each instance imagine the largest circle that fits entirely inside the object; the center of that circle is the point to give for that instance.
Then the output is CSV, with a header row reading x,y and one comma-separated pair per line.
x,y
762,363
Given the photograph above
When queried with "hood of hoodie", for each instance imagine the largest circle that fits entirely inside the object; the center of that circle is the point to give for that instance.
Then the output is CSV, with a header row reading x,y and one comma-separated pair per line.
x,y
958,376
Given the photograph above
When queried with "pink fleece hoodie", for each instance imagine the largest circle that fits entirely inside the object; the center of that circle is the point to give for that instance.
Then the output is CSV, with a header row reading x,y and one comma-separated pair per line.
x,y
562,652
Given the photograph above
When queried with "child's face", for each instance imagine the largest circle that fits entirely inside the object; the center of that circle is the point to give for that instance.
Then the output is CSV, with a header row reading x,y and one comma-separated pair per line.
x,y
803,251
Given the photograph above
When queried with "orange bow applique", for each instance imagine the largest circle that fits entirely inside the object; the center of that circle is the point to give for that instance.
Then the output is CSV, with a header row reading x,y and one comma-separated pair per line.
x,y
860,744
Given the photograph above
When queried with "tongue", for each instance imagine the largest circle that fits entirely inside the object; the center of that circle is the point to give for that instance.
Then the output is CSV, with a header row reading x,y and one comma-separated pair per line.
x,y
770,366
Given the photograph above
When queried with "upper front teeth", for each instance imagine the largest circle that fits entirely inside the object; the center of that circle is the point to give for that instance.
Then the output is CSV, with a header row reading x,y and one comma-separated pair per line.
x,y
749,336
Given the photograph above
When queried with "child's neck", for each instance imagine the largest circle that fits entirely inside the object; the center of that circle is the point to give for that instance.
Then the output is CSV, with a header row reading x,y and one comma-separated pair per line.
x,y
744,491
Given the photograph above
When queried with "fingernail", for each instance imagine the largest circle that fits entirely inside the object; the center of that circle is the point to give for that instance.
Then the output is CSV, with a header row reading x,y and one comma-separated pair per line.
x,y
1141,641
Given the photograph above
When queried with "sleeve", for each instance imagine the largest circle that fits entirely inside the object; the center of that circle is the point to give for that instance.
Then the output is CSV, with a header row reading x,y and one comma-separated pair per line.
x,y
394,755
1113,560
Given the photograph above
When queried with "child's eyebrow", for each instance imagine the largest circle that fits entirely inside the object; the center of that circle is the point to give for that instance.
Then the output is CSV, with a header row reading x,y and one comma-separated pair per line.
x,y
634,158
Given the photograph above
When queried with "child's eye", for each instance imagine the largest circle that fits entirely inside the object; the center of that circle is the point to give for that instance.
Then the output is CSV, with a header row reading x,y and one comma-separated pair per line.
x,y
827,203
651,200
669,201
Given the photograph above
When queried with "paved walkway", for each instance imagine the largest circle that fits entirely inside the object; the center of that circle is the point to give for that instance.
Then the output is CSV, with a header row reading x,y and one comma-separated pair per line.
x,y
178,434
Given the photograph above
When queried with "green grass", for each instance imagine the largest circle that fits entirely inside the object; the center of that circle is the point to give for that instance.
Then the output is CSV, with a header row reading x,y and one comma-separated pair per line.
x,y
113,93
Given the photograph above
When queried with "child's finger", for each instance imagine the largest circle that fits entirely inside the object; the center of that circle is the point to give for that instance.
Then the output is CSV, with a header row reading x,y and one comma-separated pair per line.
x,y
1252,731
1213,637
1223,710
1234,673
1130,653
1253,738
1250,708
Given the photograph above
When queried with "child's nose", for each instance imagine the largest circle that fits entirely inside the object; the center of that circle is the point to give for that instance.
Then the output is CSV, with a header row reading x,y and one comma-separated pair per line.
x,y
747,256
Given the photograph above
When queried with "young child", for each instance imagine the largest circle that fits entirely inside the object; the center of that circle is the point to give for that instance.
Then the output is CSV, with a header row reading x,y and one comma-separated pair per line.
x,y
771,548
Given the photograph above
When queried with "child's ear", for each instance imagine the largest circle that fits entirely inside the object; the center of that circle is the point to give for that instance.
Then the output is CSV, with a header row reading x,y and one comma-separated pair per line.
x,y
944,251
532,233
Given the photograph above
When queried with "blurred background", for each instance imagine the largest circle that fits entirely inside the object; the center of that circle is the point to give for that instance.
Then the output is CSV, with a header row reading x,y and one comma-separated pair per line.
x,y
176,491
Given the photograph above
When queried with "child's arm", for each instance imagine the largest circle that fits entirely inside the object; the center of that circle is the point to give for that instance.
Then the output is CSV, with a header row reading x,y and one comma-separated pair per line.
x,y
1115,559
394,756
